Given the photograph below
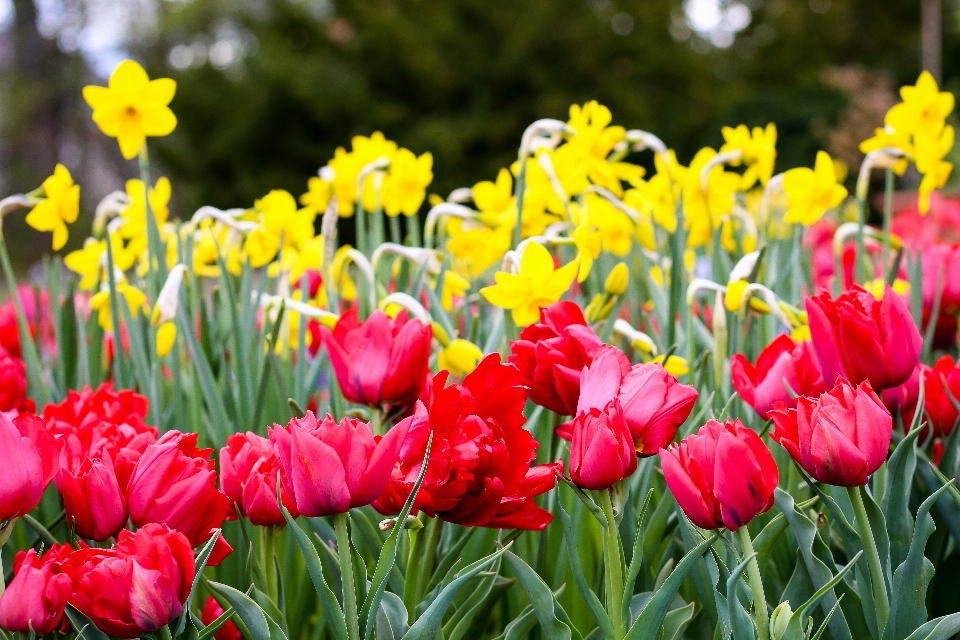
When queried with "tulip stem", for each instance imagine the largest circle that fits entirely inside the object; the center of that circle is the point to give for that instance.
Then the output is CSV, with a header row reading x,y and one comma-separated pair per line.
x,y
614,569
341,523
268,540
756,584
880,600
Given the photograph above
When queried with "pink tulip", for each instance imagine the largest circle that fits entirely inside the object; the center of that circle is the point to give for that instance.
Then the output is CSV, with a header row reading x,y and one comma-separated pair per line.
x,y
602,451
37,595
92,497
28,457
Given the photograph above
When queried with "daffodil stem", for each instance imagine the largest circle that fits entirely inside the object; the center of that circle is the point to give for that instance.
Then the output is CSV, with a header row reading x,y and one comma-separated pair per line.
x,y
756,584
341,524
360,218
880,600
861,270
887,221
38,389
613,568
115,316
413,231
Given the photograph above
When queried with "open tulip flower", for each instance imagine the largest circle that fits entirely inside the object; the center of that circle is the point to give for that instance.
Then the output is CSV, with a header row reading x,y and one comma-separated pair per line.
x,y
670,385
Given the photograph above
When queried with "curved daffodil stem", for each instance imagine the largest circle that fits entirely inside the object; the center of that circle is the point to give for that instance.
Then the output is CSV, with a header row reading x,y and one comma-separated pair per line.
x,y
756,584
613,568
887,221
880,600
341,524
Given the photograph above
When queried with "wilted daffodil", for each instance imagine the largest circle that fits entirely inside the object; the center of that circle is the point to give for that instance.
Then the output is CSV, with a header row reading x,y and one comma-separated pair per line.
x,y
812,191
536,285
758,148
132,107
59,207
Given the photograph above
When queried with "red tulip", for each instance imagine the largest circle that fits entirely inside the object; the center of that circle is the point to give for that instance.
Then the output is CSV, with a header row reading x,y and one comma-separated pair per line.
x,y
248,476
9,329
137,587
329,467
175,484
903,398
840,438
37,595
211,611
28,457
783,362
551,356
380,361
723,476
602,451
90,422
479,473
939,407
92,498
13,384
652,402
861,338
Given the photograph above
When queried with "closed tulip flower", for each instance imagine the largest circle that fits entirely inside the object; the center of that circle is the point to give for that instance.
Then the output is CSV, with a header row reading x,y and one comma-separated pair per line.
x,y
329,467
381,361
722,476
175,484
92,498
601,451
480,472
137,587
861,338
13,384
28,457
653,403
248,476
841,437
37,595
939,384
551,356
783,362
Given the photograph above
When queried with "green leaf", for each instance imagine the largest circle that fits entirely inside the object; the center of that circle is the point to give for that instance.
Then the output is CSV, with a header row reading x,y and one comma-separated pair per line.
x,y
428,623
201,564
650,620
86,630
740,621
589,597
249,611
391,617
908,608
331,607
895,502
216,625
676,621
541,597
938,629
208,384
794,627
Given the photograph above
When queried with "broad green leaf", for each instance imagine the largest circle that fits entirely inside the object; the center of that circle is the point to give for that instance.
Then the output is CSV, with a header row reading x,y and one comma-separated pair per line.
x,y
589,597
541,597
391,617
676,621
938,629
201,564
83,626
895,502
249,611
740,621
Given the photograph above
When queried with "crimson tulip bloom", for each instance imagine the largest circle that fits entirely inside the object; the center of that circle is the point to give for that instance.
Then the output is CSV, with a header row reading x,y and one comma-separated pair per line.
x,y
722,476
861,338
479,473
782,362
28,457
37,595
175,484
92,498
839,438
551,356
211,611
330,467
903,398
248,476
943,414
382,361
41,329
90,422
13,384
602,451
653,403
137,587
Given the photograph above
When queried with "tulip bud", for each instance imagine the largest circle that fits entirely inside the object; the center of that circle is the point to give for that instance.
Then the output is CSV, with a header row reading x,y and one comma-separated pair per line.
x,y
617,280
92,498
779,620
602,451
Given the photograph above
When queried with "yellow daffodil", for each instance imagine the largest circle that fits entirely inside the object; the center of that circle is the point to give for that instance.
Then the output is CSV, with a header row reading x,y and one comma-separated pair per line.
x,y
536,285
317,197
475,247
135,216
59,207
929,153
617,280
924,107
100,302
495,200
87,262
705,209
166,338
885,137
675,366
405,187
593,133
132,107
454,286
347,165
459,357
309,257
759,152
616,228
589,244
340,276
812,191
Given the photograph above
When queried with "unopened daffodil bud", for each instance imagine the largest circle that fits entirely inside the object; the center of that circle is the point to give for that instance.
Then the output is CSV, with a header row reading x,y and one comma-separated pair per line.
x,y
801,333
166,337
168,300
734,298
618,280
460,357
440,334
599,308
779,620
878,286
674,365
